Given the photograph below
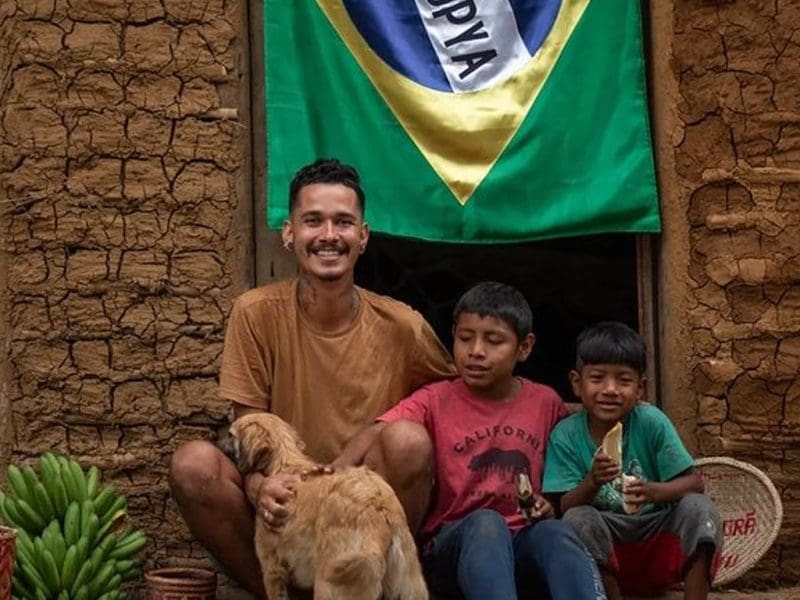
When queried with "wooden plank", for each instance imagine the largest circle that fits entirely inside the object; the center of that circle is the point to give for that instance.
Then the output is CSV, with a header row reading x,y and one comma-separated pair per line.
x,y
648,315
238,93
270,260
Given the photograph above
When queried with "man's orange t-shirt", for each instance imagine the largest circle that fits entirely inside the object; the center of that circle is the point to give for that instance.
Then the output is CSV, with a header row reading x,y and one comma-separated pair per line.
x,y
328,387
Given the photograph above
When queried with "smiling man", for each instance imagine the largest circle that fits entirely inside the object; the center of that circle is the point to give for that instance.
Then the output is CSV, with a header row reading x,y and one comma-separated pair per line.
x,y
324,355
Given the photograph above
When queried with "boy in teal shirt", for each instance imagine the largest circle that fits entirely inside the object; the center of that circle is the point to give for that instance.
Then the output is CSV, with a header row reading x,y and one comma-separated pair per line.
x,y
662,529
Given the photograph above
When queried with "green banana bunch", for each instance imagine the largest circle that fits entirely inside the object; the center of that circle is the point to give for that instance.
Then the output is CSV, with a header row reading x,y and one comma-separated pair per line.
x,y
73,540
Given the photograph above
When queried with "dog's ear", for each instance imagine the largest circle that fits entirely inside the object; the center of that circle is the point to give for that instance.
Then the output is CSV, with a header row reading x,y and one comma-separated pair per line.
x,y
254,461
254,453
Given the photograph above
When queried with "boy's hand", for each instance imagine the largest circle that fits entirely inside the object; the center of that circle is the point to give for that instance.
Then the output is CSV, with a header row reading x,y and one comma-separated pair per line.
x,y
532,506
604,469
542,509
537,508
636,492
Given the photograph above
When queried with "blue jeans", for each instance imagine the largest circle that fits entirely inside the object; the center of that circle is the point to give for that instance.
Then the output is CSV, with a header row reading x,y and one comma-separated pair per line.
x,y
479,558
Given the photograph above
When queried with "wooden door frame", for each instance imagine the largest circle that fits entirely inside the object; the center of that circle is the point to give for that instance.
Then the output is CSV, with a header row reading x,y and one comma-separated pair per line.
x,y
646,283
270,260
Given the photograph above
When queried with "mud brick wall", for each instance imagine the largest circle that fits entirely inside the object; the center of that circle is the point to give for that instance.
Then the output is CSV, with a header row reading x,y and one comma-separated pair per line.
x,y
737,162
124,235
120,186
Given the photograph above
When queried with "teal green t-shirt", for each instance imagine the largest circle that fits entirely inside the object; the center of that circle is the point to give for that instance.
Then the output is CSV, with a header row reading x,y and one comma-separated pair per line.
x,y
651,450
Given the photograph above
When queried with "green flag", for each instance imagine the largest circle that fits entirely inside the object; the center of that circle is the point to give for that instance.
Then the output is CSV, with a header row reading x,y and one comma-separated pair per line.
x,y
469,120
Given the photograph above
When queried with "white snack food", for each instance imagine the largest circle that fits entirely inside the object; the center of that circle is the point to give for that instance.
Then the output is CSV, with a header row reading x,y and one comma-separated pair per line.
x,y
629,507
612,443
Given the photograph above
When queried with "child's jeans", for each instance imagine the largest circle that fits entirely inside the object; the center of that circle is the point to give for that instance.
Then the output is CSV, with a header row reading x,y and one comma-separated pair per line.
x,y
479,558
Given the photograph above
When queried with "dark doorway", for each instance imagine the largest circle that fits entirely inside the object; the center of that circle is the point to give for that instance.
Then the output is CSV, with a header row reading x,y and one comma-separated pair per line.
x,y
569,283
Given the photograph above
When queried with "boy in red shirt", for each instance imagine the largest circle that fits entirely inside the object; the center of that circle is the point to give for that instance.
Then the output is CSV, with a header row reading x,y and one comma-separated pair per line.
x,y
487,427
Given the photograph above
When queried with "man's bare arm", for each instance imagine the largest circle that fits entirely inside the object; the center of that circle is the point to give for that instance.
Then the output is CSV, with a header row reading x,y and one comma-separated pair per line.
x,y
252,481
268,495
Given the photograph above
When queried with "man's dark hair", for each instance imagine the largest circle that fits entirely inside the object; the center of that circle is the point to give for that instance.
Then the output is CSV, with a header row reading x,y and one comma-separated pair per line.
x,y
326,170
493,299
611,343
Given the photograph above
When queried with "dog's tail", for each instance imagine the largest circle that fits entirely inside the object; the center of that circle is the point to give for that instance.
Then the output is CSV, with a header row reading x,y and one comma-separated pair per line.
x,y
403,579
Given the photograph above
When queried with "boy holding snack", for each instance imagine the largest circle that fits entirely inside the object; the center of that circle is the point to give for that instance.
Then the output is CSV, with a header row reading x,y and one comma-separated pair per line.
x,y
624,479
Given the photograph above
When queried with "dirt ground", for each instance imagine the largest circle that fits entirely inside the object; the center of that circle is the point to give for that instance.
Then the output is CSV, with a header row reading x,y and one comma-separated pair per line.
x,y
785,594
229,593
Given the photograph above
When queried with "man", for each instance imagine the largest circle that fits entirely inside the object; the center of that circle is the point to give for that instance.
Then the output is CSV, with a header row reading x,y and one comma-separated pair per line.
x,y
326,356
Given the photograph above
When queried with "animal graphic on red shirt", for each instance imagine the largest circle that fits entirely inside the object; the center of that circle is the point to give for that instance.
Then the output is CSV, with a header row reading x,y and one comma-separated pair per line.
x,y
506,462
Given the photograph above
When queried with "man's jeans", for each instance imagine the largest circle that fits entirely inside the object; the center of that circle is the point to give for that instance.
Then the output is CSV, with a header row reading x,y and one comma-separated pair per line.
x,y
479,558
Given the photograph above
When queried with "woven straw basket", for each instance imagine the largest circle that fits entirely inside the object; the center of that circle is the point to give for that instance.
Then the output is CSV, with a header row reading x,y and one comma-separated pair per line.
x,y
750,508
8,538
181,583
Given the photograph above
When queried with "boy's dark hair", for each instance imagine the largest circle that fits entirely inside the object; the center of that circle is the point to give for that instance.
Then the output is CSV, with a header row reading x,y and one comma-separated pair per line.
x,y
493,299
613,343
326,170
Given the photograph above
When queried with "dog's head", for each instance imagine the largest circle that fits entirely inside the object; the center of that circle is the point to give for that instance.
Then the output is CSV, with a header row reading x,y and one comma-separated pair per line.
x,y
262,442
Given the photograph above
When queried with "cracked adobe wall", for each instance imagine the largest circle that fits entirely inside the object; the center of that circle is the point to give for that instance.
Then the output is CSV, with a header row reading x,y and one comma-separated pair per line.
x,y
731,300
124,235
120,189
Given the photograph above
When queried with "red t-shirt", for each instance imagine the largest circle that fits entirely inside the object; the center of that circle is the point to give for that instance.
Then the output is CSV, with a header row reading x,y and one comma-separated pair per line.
x,y
479,446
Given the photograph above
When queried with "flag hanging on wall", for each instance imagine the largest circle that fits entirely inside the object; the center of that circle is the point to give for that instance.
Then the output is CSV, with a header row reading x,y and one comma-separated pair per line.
x,y
469,120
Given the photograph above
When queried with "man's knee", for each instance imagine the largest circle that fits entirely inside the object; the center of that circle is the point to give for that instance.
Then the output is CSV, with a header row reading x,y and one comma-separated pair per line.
x,y
196,468
407,444
406,436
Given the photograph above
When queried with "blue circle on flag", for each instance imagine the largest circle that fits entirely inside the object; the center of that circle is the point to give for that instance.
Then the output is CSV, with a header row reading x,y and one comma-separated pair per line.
x,y
396,30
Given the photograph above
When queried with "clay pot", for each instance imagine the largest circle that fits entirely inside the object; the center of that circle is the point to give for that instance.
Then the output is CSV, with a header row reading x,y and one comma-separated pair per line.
x,y
180,583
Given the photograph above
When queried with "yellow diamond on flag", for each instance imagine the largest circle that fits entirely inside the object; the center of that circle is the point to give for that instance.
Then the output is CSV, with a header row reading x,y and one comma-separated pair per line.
x,y
464,78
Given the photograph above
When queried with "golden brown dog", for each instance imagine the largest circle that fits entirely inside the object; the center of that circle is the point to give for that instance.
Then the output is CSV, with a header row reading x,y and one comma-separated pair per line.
x,y
346,536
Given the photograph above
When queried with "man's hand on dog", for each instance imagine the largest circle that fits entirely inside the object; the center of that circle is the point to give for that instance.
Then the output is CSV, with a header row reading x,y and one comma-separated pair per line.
x,y
271,496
